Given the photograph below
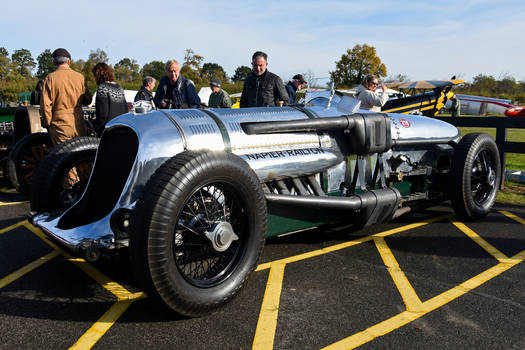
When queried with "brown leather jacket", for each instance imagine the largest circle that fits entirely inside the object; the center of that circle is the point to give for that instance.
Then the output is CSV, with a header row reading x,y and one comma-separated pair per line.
x,y
63,95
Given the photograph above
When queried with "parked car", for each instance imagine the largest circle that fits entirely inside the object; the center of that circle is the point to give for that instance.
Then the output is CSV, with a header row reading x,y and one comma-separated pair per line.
x,y
194,193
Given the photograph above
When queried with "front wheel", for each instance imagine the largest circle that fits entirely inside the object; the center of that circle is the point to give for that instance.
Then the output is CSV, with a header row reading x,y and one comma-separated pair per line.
x,y
198,230
63,174
475,176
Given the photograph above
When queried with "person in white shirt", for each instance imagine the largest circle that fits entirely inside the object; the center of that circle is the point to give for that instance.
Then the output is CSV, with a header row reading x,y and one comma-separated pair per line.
x,y
369,97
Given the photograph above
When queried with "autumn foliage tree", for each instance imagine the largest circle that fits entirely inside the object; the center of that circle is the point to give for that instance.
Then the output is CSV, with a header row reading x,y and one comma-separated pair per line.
x,y
191,68
355,64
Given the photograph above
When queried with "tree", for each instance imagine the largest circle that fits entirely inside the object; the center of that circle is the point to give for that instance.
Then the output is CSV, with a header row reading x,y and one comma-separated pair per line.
x,y
11,81
353,66
127,70
154,69
23,61
241,73
398,78
213,70
95,57
5,63
485,84
191,69
45,64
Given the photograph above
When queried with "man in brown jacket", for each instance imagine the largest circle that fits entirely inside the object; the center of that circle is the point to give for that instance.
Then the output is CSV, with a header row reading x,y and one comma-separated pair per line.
x,y
63,95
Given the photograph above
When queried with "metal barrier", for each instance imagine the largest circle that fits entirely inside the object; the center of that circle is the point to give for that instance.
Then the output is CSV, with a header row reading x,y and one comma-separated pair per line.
x,y
501,124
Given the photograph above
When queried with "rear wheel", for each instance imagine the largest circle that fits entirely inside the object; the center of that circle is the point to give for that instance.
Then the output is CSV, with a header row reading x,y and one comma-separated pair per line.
x,y
475,176
62,175
24,159
198,230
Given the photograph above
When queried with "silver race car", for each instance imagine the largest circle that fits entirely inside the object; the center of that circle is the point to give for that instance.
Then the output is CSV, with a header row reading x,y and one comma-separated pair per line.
x,y
194,193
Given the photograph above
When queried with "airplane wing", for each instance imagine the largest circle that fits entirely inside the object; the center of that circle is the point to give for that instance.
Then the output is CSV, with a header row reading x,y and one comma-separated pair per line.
x,y
428,84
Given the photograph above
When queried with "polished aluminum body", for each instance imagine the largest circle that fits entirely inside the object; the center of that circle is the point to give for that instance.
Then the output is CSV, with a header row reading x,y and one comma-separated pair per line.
x,y
165,133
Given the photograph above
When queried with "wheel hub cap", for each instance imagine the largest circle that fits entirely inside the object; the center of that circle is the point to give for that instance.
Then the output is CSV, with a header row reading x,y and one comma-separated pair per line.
x,y
221,236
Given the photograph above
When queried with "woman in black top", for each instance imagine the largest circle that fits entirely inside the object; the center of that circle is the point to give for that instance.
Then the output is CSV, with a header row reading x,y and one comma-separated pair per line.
x,y
110,101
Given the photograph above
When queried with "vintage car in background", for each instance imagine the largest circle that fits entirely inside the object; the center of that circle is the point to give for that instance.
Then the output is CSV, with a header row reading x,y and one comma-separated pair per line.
x,y
192,194
24,143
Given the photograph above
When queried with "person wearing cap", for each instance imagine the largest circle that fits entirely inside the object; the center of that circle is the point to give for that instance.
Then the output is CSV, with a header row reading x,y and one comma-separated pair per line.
x,y
218,98
63,94
294,85
262,88
146,91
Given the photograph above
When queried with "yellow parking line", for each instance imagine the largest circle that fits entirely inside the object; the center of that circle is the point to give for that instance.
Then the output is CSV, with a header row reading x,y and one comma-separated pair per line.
x,y
12,203
512,216
27,268
267,323
116,289
480,241
124,297
406,317
340,246
412,301
12,227
103,324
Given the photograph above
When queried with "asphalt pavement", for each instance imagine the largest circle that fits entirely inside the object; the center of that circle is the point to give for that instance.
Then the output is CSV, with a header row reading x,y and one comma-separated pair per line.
x,y
423,281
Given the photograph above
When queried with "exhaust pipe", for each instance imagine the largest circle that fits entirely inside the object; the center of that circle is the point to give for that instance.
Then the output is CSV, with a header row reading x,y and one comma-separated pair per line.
x,y
371,207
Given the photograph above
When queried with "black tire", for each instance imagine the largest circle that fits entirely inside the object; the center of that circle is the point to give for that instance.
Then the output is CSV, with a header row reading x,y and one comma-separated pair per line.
x,y
193,193
24,159
475,176
62,175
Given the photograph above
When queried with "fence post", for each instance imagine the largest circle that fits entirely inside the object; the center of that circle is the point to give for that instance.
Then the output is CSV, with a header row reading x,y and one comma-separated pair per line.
x,y
501,138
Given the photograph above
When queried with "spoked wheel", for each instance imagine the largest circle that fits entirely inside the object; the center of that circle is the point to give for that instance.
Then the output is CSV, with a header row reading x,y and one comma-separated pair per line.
x,y
475,176
198,230
24,159
206,245
63,174
74,179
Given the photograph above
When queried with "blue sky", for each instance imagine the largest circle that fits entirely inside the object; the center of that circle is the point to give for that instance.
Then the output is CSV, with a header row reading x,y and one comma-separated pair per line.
x,y
424,40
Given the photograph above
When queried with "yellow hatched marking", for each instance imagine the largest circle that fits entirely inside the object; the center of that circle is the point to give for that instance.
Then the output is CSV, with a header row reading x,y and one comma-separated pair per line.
x,y
512,216
480,241
116,289
12,227
406,317
103,324
12,203
124,297
412,301
267,323
27,268
340,246
6,190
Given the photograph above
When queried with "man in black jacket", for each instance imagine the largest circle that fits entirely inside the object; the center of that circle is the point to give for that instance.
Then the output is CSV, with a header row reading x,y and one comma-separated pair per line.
x,y
262,88
175,91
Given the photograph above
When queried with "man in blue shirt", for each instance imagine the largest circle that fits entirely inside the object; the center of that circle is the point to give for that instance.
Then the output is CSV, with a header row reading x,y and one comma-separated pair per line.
x,y
175,91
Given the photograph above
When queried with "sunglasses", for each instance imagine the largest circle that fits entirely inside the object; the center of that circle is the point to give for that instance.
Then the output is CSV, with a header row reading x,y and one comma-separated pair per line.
x,y
373,83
